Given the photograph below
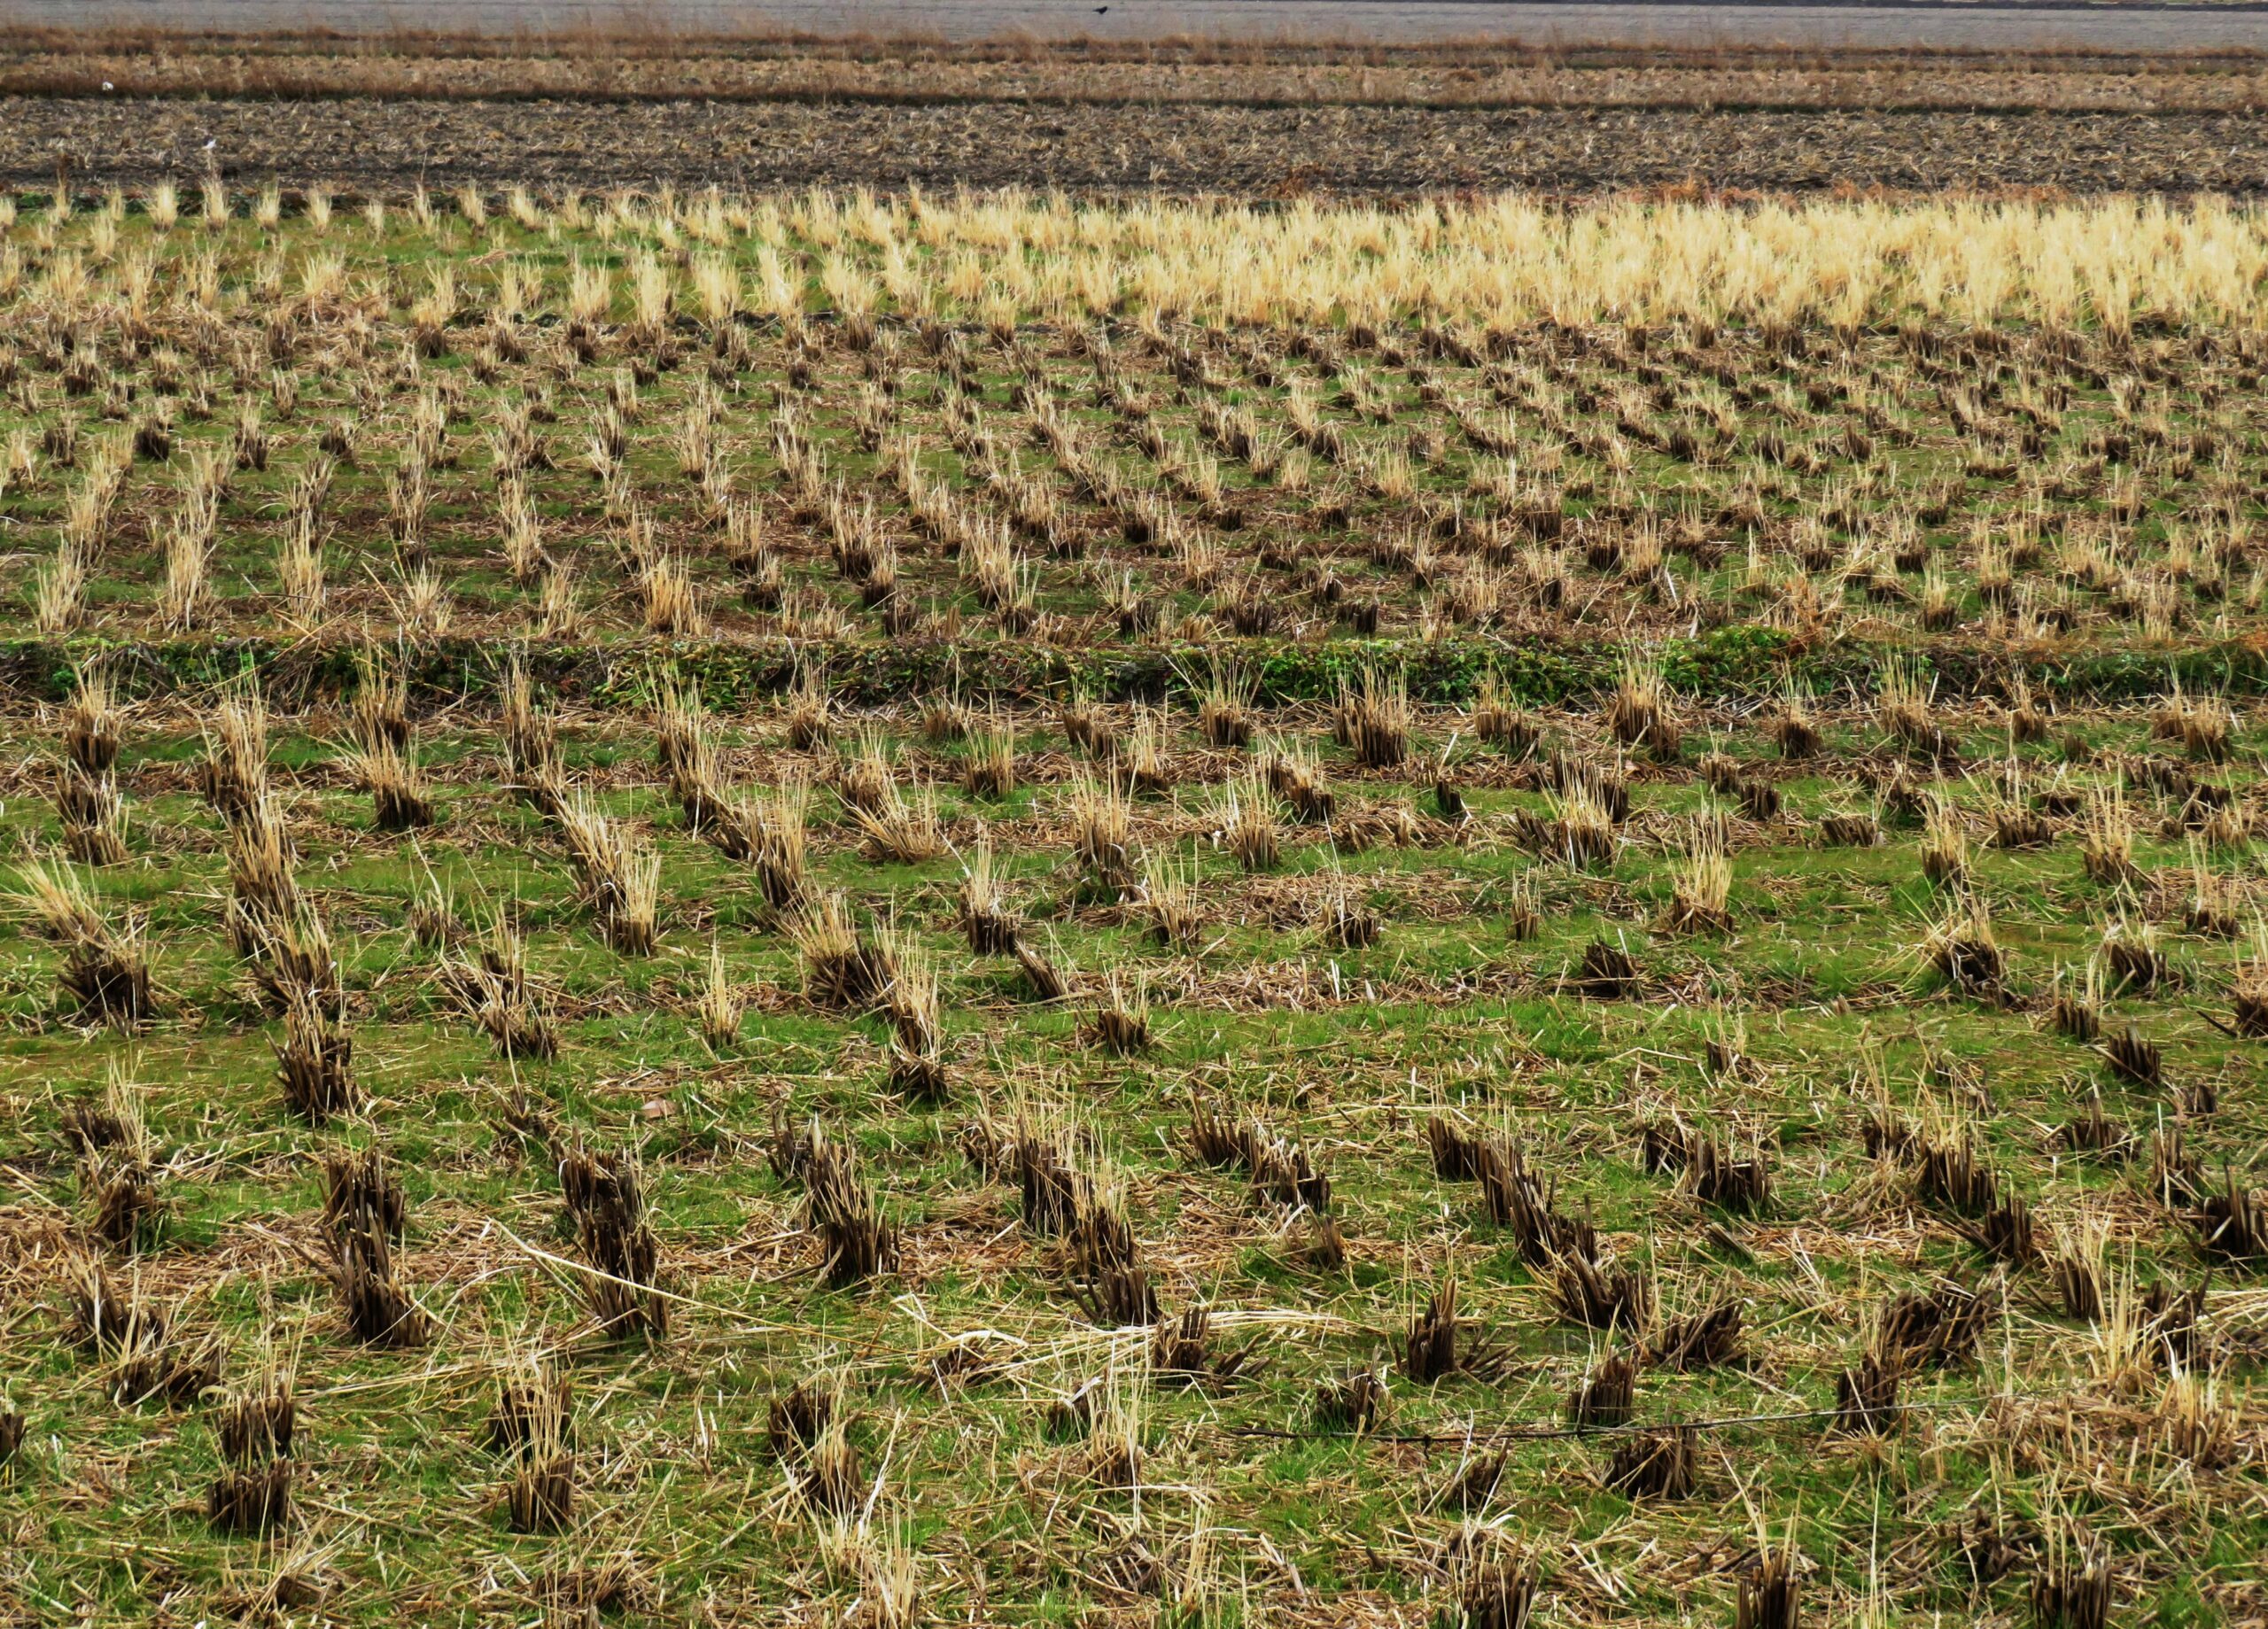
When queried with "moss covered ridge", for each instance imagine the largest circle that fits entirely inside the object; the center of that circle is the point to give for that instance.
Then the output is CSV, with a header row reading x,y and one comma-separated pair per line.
x,y
1728,664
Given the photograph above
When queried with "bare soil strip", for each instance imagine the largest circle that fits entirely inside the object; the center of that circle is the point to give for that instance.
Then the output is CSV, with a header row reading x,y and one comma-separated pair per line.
x,y
1376,152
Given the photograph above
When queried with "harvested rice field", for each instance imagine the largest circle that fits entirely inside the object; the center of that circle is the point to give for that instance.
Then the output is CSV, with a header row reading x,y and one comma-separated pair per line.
x,y
833,909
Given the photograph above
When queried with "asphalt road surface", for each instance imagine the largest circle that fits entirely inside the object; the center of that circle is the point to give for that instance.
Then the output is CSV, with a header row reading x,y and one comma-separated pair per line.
x,y
2155,28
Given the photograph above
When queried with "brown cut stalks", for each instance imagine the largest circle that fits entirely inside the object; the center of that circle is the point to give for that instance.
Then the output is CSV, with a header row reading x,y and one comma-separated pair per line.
x,y
1944,846
532,1402
989,769
558,614
1702,883
1516,1199
1283,1172
530,736
1216,1139
1297,780
1591,1291
263,893
1323,1243
1181,1352
234,768
1664,1464
1346,919
720,1009
93,725
379,1310
1143,763
1224,705
1641,714
2197,1421
1372,719
361,1190
1964,951
1496,1586
606,1199
542,1496
1850,830
2094,1130
1714,1174
2129,953
1706,1339
494,986
381,706
901,829
2077,1267
93,816
400,799
1109,1277
1523,913
668,597
256,1420
118,1176
1607,1395
257,1500
1581,831
1458,1156
2248,991
1048,982
862,776
1121,1019
315,1059
2076,1012
1471,1486
856,1242
2215,898
123,1205
255,1427
1429,1352
2006,1232
2232,1222
1606,973
148,1355
1355,1401
991,923
781,825
799,1416
1497,721
618,877
1950,1172
805,712
1766,1596
2017,828
106,972
1169,899
1936,1328
1794,727
1115,1452
2107,839
1904,707
917,1029
2205,728
295,955
826,1476
2072,1589
841,970
2135,1059
687,752
944,719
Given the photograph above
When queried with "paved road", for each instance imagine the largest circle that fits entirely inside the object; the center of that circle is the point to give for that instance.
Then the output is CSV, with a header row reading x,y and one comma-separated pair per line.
x,y
1564,22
